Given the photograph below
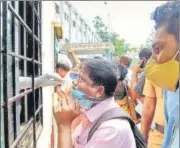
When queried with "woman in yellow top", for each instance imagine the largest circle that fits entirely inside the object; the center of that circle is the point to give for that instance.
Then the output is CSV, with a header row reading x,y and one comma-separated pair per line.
x,y
121,94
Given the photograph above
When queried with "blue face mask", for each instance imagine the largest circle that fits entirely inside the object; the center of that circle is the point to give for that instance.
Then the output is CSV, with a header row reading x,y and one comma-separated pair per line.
x,y
80,96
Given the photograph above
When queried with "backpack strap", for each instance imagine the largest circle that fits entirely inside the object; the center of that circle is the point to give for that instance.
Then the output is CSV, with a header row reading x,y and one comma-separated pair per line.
x,y
113,113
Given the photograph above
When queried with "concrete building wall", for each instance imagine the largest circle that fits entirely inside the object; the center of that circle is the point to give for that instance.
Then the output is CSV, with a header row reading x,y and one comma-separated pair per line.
x,y
48,16
75,30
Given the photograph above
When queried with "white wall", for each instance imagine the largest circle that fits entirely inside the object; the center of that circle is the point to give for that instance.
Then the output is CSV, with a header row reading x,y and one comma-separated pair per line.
x,y
74,29
48,15
66,24
76,35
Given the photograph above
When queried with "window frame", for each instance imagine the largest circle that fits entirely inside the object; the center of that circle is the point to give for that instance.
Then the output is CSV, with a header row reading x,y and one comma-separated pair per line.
x,y
74,23
10,103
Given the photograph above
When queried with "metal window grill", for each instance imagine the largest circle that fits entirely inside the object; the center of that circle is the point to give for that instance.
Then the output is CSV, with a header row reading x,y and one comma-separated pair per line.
x,y
20,48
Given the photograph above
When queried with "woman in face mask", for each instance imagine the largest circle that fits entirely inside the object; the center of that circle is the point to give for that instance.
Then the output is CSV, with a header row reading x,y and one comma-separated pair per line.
x,y
94,91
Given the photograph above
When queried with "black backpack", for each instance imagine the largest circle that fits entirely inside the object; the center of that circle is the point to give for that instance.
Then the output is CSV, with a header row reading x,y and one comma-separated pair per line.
x,y
116,113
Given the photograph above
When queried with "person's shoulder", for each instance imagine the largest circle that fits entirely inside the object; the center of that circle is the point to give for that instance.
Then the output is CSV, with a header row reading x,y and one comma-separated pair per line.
x,y
120,125
116,133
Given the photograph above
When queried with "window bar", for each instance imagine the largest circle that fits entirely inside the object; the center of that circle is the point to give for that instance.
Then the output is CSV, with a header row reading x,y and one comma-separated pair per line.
x,y
1,98
21,57
14,44
40,48
1,106
25,62
36,11
0,58
20,136
25,129
16,68
5,74
17,97
33,76
22,22
40,11
39,59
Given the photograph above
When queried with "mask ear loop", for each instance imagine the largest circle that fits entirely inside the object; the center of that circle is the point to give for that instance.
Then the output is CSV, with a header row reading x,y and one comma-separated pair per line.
x,y
176,55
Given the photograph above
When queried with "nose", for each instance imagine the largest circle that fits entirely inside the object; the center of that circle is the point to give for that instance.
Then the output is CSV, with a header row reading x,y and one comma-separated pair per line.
x,y
156,50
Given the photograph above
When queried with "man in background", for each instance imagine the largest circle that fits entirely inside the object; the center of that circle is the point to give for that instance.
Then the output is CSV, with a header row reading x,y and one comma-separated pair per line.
x,y
126,61
138,76
163,68
63,69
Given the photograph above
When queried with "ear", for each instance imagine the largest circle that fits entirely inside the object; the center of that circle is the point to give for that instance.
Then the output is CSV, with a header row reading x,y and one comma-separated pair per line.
x,y
100,92
57,70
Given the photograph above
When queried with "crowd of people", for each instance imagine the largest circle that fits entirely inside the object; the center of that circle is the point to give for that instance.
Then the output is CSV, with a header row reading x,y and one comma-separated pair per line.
x,y
98,99
102,104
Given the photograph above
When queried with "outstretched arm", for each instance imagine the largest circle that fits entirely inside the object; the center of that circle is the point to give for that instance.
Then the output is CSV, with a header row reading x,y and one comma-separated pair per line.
x,y
74,56
47,79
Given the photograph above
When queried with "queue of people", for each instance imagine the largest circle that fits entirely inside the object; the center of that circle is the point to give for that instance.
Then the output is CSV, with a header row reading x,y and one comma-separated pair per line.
x,y
97,102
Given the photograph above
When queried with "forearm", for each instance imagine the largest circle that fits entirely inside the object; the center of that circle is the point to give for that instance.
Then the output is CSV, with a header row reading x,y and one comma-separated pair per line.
x,y
64,136
75,58
134,80
147,117
25,82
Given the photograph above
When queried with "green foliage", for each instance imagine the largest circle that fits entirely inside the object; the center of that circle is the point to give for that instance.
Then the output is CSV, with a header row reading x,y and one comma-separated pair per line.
x,y
105,36
101,29
119,46
133,49
98,24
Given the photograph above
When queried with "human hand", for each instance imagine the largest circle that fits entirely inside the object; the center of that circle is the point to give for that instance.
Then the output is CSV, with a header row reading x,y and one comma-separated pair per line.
x,y
137,68
65,110
49,79
71,50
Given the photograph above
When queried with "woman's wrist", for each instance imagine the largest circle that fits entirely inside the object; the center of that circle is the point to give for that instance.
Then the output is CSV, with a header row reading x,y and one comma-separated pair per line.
x,y
64,128
134,73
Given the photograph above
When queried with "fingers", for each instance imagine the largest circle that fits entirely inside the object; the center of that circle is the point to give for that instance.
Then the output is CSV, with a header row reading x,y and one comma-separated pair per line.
x,y
70,101
140,62
55,83
54,99
55,77
60,106
67,102
64,103
77,107
73,104
57,107
71,50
